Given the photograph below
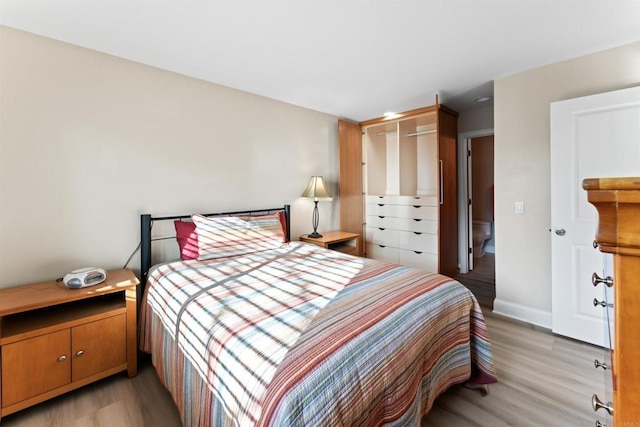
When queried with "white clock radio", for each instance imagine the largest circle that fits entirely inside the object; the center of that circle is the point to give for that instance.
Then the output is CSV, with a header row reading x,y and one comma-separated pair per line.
x,y
83,277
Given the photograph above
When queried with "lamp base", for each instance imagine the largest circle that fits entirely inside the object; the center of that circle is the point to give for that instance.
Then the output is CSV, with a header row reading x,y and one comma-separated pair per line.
x,y
314,235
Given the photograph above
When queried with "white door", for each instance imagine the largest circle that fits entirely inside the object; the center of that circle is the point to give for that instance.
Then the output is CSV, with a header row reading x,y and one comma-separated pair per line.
x,y
591,137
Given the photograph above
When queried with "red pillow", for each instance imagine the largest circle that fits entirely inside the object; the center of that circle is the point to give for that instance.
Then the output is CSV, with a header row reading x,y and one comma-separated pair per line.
x,y
187,239
283,222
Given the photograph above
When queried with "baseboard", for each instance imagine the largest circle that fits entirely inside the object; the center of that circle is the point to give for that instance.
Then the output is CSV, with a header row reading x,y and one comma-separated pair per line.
x,y
524,313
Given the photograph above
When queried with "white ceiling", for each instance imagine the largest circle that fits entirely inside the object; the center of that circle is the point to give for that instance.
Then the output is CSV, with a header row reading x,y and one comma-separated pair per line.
x,y
349,58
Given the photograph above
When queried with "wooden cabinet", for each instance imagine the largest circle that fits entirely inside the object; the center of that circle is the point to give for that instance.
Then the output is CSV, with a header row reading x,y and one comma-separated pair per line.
x,y
404,195
54,339
340,241
618,203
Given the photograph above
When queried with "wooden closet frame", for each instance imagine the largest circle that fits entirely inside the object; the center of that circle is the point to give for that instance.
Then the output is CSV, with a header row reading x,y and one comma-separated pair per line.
x,y
351,186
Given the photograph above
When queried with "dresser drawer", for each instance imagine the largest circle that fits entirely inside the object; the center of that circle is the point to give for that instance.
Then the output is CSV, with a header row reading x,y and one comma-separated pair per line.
x,y
382,236
385,222
421,242
418,212
422,260
382,253
417,225
404,211
383,209
431,200
408,224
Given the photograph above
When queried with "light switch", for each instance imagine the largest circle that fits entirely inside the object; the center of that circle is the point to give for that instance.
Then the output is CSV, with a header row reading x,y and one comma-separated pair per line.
x,y
519,209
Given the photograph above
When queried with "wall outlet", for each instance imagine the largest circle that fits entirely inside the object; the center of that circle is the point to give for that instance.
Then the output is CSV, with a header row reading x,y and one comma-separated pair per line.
x,y
519,208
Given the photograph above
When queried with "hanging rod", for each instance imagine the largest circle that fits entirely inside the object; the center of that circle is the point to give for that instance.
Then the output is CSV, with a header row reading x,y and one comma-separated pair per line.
x,y
421,132
385,133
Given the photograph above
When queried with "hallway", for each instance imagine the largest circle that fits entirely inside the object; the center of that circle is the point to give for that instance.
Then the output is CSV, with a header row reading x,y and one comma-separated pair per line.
x,y
482,280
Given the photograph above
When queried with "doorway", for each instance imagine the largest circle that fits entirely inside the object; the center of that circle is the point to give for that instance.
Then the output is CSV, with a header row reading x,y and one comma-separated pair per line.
x,y
477,222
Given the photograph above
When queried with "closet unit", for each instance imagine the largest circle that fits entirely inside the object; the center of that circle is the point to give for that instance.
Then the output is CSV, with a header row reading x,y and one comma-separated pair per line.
x,y
408,188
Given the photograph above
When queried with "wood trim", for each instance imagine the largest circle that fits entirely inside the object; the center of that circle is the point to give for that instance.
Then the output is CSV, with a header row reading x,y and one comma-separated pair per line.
x,y
132,332
350,180
448,228
409,113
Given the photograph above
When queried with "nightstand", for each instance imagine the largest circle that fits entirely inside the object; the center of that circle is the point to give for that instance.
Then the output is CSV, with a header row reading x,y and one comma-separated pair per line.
x,y
341,241
54,339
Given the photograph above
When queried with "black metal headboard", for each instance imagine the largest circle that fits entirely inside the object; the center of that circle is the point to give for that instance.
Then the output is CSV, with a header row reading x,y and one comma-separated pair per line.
x,y
146,222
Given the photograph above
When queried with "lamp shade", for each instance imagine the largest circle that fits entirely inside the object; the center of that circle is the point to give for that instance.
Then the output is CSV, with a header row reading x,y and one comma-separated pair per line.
x,y
316,189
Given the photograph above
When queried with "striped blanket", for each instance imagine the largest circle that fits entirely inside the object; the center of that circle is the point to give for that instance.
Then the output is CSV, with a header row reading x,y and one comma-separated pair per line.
x,y
303,336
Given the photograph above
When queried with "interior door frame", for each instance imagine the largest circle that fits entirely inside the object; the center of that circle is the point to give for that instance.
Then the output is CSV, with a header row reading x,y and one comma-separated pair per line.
x,y
464,218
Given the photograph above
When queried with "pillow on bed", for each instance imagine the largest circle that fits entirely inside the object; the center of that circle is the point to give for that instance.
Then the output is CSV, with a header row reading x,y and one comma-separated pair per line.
x,y
187,236
220,237
187,239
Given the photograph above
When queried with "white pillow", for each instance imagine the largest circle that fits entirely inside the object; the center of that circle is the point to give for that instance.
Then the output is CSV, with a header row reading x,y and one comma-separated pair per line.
x,y
225,236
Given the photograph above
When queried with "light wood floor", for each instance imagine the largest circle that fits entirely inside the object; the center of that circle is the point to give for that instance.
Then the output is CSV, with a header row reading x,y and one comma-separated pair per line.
x,y
544,380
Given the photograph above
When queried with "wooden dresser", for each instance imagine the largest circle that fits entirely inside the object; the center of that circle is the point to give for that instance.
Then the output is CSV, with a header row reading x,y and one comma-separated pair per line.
x,y
618,203
54,339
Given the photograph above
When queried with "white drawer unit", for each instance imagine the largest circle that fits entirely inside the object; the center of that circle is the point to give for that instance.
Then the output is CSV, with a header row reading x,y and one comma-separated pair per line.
x,y
421,260
382,236
420,242
382,253
399,230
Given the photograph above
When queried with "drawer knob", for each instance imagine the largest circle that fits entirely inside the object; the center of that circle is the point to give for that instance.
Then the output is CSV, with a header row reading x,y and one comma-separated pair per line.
x,y
602,303
597,364
62,358
417,219
417,232
595,246
596,404
416,206
79,353
418,252
380,204
599,424
380,228
380,216
596,280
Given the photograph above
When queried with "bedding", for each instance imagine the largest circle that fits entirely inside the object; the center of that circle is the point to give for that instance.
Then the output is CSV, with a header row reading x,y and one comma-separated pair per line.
x,y
299,335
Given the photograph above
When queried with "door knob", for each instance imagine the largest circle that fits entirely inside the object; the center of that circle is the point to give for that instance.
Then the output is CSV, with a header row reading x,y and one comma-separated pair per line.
x,y
560,231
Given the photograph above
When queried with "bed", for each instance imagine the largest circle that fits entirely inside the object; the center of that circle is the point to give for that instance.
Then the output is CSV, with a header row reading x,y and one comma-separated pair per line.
x,y
260,331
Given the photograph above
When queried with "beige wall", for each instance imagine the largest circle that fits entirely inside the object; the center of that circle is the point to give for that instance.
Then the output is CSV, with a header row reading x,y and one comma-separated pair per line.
x,y
475,120
89,141
523,260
